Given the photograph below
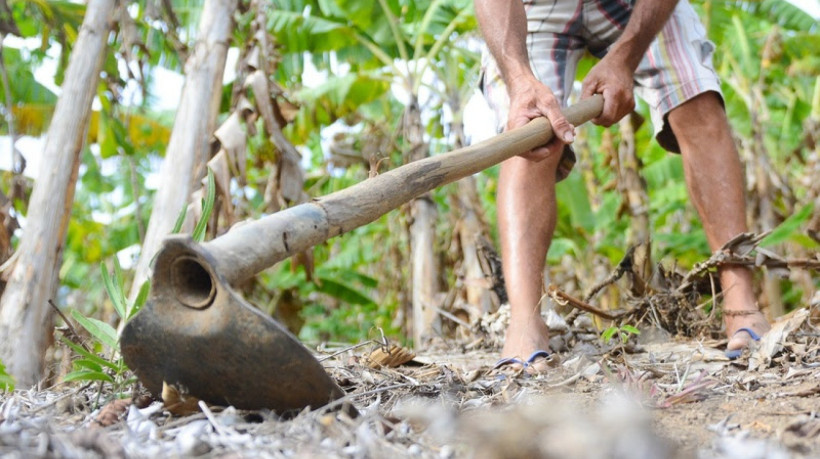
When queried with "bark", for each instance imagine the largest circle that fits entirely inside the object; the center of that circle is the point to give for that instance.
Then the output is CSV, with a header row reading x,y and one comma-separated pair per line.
x,y
636,200
189,146
763,182
472,229
25,316
423,216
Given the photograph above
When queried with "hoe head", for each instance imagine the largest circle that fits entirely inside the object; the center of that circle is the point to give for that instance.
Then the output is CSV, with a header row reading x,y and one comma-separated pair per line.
x,y
198,334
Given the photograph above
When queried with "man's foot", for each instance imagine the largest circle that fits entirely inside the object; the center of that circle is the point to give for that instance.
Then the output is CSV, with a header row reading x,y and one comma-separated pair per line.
x,y
524,338
737,321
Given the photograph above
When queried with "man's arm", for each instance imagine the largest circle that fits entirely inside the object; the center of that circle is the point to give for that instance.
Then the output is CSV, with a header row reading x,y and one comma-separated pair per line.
x,y
503,24
613,76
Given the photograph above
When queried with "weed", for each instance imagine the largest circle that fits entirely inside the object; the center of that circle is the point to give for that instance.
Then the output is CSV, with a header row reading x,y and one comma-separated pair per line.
x,y
6,380
624,332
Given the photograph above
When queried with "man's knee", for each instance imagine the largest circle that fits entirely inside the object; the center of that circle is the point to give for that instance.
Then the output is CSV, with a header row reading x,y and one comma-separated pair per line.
x,y
701,117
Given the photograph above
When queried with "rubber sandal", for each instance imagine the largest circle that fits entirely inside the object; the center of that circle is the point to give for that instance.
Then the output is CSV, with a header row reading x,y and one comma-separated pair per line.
x,y
510,361
537,355
733,354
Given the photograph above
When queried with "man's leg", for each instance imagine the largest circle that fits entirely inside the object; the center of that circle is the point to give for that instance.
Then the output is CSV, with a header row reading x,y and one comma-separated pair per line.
x,y
526,220
714,176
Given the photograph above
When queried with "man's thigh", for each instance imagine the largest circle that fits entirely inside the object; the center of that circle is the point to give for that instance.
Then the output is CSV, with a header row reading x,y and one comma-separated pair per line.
x,y
676,68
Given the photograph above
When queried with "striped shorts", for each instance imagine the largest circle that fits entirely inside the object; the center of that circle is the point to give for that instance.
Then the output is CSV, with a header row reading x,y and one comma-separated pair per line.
x,y
676,67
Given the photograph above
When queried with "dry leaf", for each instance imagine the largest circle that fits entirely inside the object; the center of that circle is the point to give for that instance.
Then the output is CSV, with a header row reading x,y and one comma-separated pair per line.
x,y
111,412
233,138
177,402
390,357
772,342
222,178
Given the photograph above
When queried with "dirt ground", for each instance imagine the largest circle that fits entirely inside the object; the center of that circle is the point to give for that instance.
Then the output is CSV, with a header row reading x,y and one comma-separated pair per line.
x,y
660,396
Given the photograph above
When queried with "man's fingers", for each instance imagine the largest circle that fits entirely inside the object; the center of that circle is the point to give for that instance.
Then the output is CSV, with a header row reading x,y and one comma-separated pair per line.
x,y
609,111
538,154
616,105
560,126
588,88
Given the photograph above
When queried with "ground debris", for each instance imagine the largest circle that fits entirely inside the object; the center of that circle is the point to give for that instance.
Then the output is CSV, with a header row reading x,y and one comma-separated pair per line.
x,y
671,392
656,402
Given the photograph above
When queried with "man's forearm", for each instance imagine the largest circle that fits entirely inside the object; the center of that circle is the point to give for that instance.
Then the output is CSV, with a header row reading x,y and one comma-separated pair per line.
x,y
647,19
503,24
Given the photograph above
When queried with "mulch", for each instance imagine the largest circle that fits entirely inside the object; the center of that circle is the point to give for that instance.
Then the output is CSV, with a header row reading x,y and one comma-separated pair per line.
x,y
660,396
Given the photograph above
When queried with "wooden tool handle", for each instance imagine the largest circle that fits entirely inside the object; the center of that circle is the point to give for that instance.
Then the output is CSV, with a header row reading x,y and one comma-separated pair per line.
x,y
538,132
247,250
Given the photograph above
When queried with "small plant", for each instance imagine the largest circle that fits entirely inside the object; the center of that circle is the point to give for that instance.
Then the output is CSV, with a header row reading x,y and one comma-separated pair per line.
x,y
6,380
91,366
624,332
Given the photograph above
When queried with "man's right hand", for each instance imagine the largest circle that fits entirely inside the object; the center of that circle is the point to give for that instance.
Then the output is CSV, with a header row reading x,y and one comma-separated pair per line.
x,y
530,99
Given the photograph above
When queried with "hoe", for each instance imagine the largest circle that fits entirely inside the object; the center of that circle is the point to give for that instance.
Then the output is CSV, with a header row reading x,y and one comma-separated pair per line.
x,y
198,334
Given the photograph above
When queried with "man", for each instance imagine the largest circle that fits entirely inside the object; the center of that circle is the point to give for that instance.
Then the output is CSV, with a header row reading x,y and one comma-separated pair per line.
x,y
535,46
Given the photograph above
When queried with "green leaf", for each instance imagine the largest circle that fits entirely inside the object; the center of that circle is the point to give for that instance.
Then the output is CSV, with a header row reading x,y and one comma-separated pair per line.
x,y
630,329
105,135
343,292
572,192
102,331
88,364
607,334
89,355
180,220
561,246
139,302
86,375
114,288
6,380
789,227
207,208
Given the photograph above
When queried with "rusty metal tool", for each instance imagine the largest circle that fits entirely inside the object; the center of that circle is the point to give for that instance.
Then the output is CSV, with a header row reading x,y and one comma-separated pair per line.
x,y
197,333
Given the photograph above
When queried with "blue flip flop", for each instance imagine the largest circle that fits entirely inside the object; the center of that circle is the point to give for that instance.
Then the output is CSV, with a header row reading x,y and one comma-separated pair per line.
x,y
732,354
524,363
509,361
536,355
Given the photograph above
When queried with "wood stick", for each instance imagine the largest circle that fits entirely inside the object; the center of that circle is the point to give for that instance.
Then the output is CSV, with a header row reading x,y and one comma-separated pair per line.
x,y
564,298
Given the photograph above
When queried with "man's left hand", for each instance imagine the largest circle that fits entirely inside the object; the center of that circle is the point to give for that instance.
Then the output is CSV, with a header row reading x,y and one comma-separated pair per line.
x,y
613,80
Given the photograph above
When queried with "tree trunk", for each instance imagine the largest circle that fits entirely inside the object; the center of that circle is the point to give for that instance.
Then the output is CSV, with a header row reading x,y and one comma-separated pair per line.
x,y
472,229
423,216
25,316
188,147
763,207
636,201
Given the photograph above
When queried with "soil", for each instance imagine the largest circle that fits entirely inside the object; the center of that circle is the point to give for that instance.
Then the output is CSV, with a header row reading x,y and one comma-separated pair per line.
x,y
654,396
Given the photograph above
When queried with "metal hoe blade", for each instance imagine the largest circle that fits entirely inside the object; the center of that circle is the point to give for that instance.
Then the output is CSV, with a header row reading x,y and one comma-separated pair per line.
x,y
198,334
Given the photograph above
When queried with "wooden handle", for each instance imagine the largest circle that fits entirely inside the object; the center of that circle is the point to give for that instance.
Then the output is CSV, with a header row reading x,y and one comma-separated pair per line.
x,y
253,247
538,132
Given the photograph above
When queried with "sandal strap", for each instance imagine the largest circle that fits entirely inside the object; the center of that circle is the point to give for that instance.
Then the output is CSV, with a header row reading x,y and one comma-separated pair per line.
x,y
740,313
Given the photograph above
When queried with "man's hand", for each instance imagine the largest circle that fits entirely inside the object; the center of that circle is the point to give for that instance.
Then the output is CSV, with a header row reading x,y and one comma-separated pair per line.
x,y
612,78
530,99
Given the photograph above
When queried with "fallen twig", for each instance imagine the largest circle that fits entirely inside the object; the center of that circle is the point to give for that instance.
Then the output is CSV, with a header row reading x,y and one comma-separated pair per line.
x,y
565,299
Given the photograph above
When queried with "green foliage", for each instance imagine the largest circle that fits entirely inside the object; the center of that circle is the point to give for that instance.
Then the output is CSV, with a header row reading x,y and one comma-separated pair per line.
x,y
6,380
623,332
207,209
105,338
789,230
